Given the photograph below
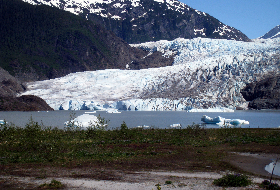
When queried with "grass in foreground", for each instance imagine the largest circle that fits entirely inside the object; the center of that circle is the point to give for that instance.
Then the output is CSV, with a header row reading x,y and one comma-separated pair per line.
x,y
191,148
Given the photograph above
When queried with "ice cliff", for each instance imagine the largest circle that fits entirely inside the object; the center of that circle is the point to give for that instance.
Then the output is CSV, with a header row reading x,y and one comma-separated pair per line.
x,y
206,73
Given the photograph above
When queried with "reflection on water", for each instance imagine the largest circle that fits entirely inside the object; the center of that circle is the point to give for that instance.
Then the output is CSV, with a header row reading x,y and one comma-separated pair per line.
x,y
270,166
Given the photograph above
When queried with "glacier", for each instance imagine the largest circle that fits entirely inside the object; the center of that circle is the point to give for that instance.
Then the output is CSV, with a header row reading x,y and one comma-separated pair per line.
x,y
206,73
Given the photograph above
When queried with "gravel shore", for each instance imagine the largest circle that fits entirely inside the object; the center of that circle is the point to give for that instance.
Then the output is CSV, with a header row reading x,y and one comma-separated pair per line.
x,y
140,181
132,180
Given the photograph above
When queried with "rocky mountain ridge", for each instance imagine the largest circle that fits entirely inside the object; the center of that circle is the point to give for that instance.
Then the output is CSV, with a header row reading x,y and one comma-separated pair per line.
x,y
273,33
138,21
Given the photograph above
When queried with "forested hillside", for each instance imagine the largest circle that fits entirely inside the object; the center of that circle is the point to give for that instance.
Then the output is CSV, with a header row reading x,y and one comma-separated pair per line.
x,y
42,42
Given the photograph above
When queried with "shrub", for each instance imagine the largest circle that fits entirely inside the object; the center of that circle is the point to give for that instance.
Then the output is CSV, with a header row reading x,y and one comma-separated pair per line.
x,y
96,127
124,126
268,185
168,182
232,180
53,185
158,186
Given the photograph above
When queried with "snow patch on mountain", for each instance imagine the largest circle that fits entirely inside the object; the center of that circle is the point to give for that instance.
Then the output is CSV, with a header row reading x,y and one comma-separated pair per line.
x,y
207,73
163,19
77,6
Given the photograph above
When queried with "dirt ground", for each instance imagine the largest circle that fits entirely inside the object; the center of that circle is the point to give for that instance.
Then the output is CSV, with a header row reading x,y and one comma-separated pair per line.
x,y
102,179
253,162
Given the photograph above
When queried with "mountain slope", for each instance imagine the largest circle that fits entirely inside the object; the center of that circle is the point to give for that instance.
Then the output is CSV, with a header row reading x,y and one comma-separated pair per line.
x,y
273,33
10,86
138,21
206,73
9,101
42,42
23,103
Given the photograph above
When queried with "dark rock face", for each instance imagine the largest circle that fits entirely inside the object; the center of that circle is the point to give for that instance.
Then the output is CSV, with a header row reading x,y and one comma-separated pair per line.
x,y
23,103
10,86
265,104
152,61
264,94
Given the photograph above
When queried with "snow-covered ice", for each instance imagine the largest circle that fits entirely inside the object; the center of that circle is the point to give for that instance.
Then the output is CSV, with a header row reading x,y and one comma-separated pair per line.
x,y
207,73
176,125
223,121
217,109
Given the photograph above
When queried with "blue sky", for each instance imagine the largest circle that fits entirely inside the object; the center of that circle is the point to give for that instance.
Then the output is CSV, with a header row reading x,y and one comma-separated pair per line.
x,y
252,17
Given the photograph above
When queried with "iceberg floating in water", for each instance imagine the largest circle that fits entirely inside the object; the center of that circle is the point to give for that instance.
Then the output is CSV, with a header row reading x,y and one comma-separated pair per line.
x,y
175,125
208,120
84,120
238,122
222,121
143,126
112,110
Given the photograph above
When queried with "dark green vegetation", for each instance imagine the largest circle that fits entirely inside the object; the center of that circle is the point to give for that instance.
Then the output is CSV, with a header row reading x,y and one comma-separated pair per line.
x,y
42,42
53,185
192,148
270,186
233,180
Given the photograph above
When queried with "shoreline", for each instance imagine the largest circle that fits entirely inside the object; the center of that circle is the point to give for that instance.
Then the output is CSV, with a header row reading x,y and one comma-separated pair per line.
x,y
85,178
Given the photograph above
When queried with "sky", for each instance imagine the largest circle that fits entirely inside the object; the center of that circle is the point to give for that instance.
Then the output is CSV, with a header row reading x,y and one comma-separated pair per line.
x,y
252,17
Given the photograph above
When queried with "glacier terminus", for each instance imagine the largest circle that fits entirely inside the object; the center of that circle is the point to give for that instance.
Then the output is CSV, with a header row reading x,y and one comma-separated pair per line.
x,y
206,73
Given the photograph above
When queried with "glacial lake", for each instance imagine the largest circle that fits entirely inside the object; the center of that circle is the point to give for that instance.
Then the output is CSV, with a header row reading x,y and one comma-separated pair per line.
x,y
157,119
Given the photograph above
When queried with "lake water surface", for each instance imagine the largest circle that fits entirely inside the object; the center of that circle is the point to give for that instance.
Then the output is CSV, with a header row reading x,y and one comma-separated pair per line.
x,y
158,119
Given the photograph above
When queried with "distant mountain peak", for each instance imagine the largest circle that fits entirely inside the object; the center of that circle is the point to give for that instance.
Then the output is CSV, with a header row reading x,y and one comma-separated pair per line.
x,y
77,6
138,21
273,33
